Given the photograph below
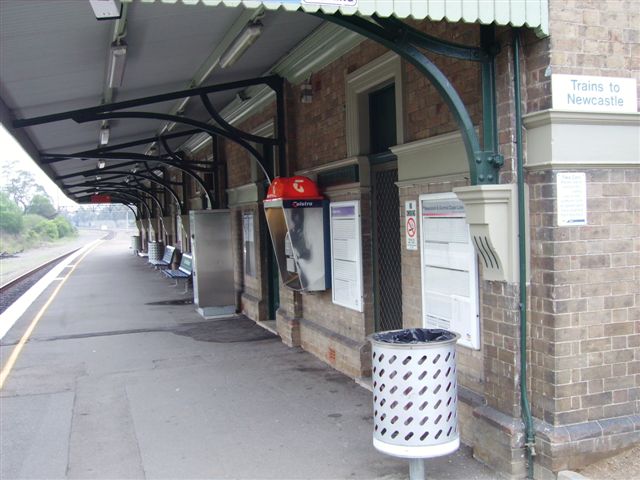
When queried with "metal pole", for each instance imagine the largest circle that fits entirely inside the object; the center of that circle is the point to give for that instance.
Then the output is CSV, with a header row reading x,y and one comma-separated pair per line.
x,y
416,469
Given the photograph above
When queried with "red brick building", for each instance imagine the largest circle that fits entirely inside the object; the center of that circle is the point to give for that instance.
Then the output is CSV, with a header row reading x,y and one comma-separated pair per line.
x,y
371,128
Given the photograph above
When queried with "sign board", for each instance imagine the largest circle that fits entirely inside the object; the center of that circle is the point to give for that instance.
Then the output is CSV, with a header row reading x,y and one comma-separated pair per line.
x,y
100,198
586,93
571,198
411,225
346,255
449,268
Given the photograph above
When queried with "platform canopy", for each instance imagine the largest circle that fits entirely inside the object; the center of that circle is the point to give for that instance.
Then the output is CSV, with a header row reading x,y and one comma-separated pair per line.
x,y
518,13
56,56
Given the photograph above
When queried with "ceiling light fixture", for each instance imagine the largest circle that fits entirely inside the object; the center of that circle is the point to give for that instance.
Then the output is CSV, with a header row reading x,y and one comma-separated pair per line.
x,y
117,59
106,9
101,164
240,44
104,135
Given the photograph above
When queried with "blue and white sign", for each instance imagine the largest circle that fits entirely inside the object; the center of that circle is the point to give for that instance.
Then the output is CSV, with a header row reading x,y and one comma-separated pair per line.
x,y
586,93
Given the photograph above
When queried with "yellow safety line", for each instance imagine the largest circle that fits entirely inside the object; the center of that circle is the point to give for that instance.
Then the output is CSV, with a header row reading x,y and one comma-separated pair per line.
x,y
6,370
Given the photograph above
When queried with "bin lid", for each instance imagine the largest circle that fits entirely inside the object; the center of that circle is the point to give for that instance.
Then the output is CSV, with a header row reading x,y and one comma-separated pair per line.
x,y
293,188
412,336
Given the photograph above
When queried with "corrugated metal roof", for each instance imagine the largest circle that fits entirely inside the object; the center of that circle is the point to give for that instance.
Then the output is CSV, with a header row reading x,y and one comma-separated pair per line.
x,y
518,13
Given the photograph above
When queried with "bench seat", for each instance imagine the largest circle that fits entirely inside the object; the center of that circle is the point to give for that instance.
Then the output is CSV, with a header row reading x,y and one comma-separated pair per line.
x,y
184,271
166,260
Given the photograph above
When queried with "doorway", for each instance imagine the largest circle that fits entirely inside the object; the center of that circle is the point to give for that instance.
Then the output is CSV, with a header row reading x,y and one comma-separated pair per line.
x,y
386,210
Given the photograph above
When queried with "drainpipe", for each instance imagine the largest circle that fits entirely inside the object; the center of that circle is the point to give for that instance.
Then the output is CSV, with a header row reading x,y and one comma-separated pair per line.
x,y
527,419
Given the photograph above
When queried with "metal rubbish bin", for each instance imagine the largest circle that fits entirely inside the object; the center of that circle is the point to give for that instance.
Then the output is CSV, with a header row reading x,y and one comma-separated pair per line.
x,y
415,399
136,244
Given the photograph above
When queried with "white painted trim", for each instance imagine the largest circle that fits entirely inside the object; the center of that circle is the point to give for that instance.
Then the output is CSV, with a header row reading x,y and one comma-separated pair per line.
x,y
439,156
560,139
384,70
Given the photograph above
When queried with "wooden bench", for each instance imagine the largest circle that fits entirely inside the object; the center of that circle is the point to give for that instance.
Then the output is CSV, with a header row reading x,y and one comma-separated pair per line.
x,y
166,260
184,271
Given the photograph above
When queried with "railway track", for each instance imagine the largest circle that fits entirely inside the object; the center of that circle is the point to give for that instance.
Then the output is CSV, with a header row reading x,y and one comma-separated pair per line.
x,y
14,289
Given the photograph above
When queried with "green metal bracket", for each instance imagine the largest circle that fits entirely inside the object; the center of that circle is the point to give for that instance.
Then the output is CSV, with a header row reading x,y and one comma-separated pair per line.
x,y
484,164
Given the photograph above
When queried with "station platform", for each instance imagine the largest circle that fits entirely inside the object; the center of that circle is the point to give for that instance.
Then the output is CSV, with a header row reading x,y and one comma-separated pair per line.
x,y
121,378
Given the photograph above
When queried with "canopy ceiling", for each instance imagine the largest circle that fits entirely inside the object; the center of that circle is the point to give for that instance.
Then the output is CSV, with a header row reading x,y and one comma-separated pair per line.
x,y
54,57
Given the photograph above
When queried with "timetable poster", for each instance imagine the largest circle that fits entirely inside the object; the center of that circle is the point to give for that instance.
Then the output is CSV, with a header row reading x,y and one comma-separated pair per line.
x,y
346,257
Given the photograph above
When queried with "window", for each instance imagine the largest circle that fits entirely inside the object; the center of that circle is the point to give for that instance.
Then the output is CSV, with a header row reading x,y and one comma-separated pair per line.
x,y
382,119
248,244
383,75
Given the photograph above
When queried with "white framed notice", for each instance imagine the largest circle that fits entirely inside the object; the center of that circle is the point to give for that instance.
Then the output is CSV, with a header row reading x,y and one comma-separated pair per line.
x,y
449,268
346,254
572,198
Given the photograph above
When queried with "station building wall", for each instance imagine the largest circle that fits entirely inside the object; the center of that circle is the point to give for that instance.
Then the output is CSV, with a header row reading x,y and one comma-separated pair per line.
x,y
584,300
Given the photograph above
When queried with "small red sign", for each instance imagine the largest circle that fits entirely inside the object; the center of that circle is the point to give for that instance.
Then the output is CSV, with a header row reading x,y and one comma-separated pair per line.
x,y
411,227
100,198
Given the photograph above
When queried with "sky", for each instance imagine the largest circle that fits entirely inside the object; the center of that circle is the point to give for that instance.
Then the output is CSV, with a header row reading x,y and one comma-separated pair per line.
x,y
11,150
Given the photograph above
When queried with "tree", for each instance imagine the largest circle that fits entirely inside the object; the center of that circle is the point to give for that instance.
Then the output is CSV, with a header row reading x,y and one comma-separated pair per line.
x,y
21,186
41,205
10,215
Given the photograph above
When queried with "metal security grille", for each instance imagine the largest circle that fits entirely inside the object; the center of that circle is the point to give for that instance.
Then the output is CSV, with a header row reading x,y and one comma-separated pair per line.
x,y
387,250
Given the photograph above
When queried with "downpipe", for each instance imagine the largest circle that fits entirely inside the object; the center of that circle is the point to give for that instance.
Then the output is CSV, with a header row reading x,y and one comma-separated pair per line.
x,y
527,419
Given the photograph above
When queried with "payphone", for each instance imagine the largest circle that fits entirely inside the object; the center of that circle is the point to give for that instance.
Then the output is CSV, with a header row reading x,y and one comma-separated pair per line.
x,y
298,220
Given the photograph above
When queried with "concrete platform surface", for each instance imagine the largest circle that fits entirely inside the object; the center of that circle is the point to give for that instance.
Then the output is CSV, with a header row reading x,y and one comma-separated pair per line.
x,y
122,379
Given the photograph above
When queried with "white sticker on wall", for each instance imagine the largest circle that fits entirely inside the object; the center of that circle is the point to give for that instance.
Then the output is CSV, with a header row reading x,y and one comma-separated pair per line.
x,y
571,198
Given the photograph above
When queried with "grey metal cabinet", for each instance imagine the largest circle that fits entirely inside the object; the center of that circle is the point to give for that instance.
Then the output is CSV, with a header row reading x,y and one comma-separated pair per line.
x,y
213,282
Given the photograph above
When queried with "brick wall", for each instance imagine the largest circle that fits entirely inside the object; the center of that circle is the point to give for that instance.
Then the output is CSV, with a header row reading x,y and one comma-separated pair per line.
x,y
595,38
586,301
425,113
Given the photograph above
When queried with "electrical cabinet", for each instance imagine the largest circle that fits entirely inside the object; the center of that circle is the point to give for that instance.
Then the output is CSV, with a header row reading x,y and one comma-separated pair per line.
x,y
213,281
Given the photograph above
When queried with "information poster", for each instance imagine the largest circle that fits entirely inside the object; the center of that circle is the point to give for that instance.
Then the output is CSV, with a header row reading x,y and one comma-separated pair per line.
x,y
572,198
449,270
346,256
411,224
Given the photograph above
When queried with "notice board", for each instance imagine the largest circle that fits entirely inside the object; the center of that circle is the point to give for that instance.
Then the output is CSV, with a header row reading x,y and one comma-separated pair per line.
x,y
346,254
449,268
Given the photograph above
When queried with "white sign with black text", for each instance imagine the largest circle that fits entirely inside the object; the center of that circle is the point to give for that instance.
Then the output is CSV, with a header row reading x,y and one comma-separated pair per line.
x,y
346,255
586,93
411,224
572,198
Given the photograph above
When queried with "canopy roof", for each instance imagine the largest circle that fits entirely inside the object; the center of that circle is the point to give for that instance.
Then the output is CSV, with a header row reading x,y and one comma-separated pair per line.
x,y
518,13
55,56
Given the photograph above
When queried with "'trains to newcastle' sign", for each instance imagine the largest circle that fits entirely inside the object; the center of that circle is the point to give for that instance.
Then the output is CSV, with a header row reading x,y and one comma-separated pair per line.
x,y
586,93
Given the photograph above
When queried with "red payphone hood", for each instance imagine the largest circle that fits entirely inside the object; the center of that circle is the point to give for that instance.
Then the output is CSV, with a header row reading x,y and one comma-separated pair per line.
x,y
293,188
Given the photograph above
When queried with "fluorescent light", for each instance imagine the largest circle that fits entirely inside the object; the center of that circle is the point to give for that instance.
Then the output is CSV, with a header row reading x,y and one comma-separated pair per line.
x,y
104,135
243,41
115,70
101,163
106,9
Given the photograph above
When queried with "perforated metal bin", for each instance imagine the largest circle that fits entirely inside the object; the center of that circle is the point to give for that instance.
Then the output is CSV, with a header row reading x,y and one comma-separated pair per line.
x,y
155,250
415,397
136,244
